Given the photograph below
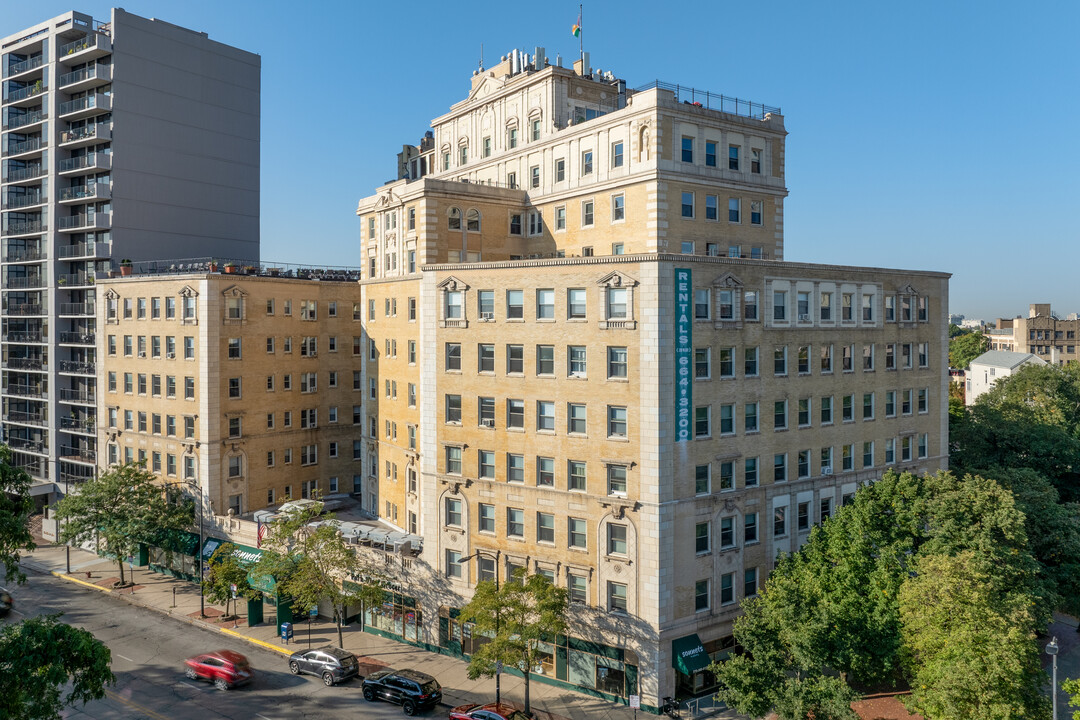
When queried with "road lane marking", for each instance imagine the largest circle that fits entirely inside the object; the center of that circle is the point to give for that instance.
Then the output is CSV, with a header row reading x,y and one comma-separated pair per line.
x,y
191,685
134,705
262,716
125,657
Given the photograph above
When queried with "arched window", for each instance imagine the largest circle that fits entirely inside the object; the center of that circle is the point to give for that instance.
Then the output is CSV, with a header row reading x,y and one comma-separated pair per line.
x,y
454,220
472,220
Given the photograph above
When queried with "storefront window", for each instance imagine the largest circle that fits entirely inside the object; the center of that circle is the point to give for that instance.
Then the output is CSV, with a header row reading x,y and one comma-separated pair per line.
x,y
397,615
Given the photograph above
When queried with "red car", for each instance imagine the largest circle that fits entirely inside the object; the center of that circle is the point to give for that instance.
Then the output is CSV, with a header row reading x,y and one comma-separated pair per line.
x,y
225,668
491,711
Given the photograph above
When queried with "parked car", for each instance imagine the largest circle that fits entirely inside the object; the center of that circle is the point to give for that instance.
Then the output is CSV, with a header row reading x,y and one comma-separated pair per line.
x,y
6,602
412,690
491,711
330,663
225,668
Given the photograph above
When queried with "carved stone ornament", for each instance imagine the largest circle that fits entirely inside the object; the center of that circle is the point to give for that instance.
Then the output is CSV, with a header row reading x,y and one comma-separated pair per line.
x,y
452,284
908,290
727,280
188,291
617,279
111,294
384,200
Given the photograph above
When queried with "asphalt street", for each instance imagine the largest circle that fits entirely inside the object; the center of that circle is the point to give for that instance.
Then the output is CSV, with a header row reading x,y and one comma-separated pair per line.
x,y
148,651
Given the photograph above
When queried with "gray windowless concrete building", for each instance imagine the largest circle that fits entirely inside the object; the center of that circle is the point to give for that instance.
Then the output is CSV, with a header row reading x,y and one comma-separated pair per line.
x,y
128,139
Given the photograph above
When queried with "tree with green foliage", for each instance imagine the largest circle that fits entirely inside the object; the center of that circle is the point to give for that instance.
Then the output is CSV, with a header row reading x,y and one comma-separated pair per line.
x,y
966,347
125,507
40,659
969,642
311,562
519,615
15,508
223,571
829,614
1072,687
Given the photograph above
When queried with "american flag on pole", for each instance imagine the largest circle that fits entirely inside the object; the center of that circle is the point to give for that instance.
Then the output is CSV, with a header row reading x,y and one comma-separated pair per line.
x,y
260,533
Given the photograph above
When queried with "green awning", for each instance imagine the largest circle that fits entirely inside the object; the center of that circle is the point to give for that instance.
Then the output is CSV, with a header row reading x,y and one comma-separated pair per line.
x,y
688,655
178,541
247,556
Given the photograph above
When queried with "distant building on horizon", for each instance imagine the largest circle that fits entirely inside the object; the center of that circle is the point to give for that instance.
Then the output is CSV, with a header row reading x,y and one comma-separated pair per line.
x,y
1042,333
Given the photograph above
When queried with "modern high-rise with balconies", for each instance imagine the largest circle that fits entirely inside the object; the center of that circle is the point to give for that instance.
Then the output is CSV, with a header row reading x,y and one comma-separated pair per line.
x,y
131,139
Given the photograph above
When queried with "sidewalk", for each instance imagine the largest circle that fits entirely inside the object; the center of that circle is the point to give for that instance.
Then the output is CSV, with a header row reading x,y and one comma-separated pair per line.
x,y
180,599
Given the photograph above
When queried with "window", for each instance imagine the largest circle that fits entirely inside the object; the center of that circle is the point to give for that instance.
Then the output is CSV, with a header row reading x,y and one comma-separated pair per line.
x,y
485,460
534,126
586,163
868,406
545,527
701,538
750,362
617,155
847,457
576,361
453,409
825,509
575,420
617,362
750,472
780,360
616,421
825,303
733,157
545,472
750,305
586,214
750,424
702,416
756,207
534,176
905,402
845,307
733,210
545,415
804,412
616,480
780,415
453,460
618,208
486,517
485,354
750,582
702,480
780,305
847,408
515,468
924,401
924,441
576,475
616,597
868,454
924,355
617,303
727,532
780,467
727,475
701,363
454,567
515,304
545,304
688,205
515,522
616,539
560,170
727,362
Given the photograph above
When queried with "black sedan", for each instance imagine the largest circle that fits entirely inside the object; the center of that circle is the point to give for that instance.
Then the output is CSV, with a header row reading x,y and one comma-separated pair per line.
x,y
6,602
330,663
412,690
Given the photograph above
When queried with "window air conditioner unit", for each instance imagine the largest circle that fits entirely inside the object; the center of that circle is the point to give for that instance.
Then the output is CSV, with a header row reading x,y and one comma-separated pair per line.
x,y
804,318
142,354
170,356
487,316
487,423
826,470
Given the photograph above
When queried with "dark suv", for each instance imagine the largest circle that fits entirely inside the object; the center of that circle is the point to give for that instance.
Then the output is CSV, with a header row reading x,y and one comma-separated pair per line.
x,y
330,663
412,690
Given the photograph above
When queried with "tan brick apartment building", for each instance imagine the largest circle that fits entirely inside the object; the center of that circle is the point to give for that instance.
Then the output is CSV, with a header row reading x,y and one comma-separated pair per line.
x,y
1041,333
584,358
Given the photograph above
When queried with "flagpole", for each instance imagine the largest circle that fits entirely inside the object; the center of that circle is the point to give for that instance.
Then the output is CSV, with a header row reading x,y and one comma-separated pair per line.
x,y
581,40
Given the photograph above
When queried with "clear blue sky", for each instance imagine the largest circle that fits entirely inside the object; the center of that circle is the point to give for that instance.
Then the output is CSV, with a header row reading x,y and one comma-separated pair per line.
x,y
923,135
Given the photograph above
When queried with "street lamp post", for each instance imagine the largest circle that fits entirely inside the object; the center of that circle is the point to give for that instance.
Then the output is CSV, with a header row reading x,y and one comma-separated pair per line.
x,y
1052,651
199,550
498,555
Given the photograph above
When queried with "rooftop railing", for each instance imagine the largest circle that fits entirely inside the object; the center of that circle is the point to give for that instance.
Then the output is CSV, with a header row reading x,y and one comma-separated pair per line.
x,y
713,101
244,267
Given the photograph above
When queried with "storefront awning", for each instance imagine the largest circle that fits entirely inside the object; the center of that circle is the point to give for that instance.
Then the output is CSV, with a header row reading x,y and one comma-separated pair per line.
x,y
688,655
247,556
180,541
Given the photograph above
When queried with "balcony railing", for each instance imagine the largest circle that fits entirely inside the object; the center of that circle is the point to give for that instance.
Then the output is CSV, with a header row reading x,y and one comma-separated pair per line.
x,y
26,173
23,255
79,396
14,202
77,338
24,309
78,454
75,279
26,65
88,102
79,367
88,132
25,146
102,72
23,283
85,192
94,160
100,249
34,391
84,43
24,444
18,121
83,425
18,363
26,92
28,227
24,337
77,308
83,220
25,418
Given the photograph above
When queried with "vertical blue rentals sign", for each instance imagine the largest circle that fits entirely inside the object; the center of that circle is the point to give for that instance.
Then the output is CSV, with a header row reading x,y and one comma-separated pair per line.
x,y
684,348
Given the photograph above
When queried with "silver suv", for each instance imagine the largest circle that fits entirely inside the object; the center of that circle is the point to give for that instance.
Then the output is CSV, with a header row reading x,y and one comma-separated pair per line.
x,y
330,663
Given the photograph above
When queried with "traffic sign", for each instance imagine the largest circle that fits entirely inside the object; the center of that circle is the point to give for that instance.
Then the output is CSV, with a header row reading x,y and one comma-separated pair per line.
x,y
635,702
313,612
